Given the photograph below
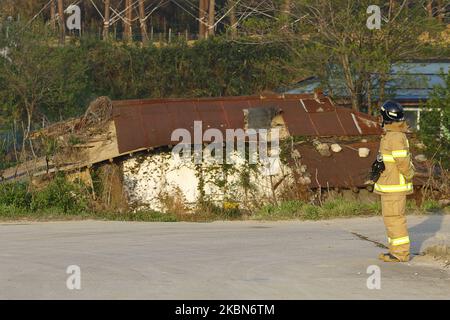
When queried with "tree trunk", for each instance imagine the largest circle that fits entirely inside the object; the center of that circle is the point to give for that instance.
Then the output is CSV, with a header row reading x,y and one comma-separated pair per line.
x,y
62,24
142,21
128,33
211,17
349,82
233,20
430,8
202,13
382,89
369,96
107,18
441,11
286,8
53,14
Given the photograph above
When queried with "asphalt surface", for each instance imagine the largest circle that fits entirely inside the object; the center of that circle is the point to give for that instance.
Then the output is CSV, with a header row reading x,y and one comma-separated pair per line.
x,y
220,260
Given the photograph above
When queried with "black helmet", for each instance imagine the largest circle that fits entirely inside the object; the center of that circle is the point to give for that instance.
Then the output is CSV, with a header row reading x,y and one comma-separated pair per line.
x,y
392,111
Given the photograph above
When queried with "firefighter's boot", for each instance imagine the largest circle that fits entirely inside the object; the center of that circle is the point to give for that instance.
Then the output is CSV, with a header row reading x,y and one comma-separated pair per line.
x,y
387,257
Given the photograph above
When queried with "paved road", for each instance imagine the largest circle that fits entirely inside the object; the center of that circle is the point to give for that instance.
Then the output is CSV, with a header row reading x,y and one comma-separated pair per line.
x,y
221,260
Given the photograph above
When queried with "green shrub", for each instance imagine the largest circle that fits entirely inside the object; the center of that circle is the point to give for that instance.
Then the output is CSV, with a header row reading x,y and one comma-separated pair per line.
x,y
340,207
15,194
332,208
288,209
11,211
435,123
311,212
60,194
431,205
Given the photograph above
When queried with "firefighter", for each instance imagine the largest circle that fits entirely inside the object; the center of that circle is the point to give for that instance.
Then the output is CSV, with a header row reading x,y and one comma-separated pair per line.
x,y
395,182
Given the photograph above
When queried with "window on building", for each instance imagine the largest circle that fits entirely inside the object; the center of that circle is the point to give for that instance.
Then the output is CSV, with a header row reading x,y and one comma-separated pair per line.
x,y
412,116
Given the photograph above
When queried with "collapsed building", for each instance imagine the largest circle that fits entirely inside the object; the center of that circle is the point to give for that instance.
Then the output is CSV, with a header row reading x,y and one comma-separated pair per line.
x,y
323,149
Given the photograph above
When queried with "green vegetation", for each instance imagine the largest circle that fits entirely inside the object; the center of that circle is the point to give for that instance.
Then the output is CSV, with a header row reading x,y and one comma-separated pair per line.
x,y
62,200
334,208
42,82
58,196
431,205
435,124
11,213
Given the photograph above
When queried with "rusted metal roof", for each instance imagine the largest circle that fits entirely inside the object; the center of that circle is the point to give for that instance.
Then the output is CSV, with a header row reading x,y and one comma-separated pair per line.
x,y
150,123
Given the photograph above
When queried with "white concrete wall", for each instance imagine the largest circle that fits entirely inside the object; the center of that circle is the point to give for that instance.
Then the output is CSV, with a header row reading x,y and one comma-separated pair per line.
x,y
148,178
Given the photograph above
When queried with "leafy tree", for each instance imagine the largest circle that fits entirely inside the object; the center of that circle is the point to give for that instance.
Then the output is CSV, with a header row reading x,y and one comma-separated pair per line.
x,y
435,123
331,39
39,80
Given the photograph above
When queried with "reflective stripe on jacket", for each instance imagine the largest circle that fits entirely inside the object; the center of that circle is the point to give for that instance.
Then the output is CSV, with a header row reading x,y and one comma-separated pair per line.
x,y
394,147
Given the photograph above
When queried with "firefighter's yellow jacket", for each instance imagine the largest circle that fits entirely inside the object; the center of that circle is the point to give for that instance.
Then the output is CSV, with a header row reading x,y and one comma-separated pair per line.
x,y
394,147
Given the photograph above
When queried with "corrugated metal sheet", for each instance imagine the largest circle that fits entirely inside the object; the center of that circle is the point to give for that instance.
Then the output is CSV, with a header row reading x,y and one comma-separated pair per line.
x,y
344,169
150,123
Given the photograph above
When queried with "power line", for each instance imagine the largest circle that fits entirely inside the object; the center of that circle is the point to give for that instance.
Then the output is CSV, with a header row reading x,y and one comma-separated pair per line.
x,y
37,14
101,15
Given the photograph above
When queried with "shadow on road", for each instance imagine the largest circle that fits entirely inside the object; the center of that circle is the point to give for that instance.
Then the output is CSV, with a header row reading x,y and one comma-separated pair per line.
x,y
424,231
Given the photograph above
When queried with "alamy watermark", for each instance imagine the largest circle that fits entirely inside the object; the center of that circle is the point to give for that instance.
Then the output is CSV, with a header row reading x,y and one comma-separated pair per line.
x,y
73,282
374,280
73,22
374,20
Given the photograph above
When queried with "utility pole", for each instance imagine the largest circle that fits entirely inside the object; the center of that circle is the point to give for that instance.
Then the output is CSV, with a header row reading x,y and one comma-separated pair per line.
x,y
142,21
106,22
211,17
128,33
62,25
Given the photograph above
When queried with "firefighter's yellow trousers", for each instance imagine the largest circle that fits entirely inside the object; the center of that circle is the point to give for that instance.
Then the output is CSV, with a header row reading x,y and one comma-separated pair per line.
x,y
393,207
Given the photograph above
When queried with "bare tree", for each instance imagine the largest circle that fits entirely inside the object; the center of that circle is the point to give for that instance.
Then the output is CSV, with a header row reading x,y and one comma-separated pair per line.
x,y
334,33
